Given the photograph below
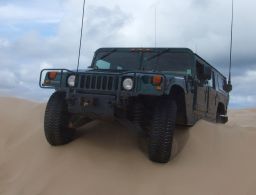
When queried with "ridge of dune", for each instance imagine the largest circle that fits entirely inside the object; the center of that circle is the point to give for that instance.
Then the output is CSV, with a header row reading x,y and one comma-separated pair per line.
x,y
108,158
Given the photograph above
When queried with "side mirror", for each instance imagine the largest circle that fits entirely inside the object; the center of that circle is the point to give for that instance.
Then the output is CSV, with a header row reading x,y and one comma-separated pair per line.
x,y
207,74
227,87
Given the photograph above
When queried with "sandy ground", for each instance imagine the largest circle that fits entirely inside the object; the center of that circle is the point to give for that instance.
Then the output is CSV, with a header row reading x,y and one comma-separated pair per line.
x,y
107,158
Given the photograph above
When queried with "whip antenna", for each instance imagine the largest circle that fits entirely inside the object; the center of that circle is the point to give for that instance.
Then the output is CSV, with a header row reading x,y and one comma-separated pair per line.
x,y
231,43
81,38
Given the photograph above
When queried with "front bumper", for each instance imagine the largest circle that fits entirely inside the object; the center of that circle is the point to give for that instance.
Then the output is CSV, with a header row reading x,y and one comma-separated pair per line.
x,y
100,94
92,105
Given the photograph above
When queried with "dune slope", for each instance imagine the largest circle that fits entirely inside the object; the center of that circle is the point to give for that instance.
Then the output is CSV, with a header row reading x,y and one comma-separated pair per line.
x,y
108,158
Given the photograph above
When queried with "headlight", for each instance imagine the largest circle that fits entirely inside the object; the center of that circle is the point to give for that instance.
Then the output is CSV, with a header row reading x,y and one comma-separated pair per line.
x,y
128,84
71,80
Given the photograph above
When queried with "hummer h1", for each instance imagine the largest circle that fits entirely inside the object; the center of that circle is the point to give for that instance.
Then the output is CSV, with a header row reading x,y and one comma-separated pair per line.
x,y
153,88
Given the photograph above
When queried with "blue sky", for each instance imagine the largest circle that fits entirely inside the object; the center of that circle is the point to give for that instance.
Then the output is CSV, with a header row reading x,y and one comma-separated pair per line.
x,y
39,34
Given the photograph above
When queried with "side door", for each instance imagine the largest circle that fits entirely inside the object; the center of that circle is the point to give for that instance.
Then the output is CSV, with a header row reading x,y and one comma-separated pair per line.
x,y
201,91
212,95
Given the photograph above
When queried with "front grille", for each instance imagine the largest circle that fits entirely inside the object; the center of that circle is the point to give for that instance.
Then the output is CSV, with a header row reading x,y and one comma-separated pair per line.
x,y
99,82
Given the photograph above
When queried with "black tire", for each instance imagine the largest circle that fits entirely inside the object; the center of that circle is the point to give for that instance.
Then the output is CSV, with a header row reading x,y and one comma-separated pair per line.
x,y
136,115
56,121
221,119
221,112
162,131
218,118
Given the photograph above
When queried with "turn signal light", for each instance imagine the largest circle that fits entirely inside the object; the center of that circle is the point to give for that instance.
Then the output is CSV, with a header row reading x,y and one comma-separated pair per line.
x,y
52,75
157,79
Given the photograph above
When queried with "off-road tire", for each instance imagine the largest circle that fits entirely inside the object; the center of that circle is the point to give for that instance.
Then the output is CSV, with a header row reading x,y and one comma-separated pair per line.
x,y
56,121
220,120
162,131
219,113
136,114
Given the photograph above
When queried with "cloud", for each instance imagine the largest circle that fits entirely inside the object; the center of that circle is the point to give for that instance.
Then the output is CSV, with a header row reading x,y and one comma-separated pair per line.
x,y
243,94
31,52
17,13
36,34
8,79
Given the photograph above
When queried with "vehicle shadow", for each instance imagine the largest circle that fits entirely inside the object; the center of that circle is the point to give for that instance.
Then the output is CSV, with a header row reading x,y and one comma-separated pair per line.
x,y
116,137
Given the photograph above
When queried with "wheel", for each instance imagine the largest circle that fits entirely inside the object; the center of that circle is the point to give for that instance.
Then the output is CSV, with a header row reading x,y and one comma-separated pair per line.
x,y
222,119
162,130
136,114
56,121
221,116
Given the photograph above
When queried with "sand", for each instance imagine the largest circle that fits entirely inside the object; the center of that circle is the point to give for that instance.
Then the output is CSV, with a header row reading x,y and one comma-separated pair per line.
x,y
108,158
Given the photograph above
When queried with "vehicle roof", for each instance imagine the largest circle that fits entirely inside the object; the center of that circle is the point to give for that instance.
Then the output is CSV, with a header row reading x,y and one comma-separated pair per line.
x,y
185,50
174,49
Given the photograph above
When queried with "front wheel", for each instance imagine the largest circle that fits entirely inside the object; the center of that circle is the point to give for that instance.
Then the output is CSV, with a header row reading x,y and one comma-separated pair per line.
x,y
56,121
162,130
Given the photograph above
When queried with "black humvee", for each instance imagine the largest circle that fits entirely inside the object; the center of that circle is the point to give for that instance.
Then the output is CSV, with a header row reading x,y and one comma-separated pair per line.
x,y
153,88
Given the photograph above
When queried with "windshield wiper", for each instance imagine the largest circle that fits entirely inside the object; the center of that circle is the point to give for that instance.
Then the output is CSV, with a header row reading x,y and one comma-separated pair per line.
x,y
157,55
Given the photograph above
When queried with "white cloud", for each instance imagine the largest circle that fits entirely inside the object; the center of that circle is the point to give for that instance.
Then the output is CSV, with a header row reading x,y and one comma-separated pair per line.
x,y
45,65
4,43
12,12
7,79
243,93
197,24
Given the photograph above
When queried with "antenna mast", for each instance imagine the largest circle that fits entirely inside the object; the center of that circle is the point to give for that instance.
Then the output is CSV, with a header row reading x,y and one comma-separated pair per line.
x,y
231,43
81,38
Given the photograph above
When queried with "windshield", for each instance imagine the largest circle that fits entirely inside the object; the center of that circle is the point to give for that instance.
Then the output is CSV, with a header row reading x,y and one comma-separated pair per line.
x,y
117,60
175,62
179,63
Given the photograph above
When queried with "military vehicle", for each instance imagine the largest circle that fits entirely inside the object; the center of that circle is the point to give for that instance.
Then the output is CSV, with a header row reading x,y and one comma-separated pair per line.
x,y
153,88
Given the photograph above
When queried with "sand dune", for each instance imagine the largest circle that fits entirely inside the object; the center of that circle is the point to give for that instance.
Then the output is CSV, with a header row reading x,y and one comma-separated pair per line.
x,y
107,158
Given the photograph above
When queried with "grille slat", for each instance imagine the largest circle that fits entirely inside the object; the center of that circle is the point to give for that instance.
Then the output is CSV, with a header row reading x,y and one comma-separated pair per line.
x,y
98,82
104,83
81,80
93,82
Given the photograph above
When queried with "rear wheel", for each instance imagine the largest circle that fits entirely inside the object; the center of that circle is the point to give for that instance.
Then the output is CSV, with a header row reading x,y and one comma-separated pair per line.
x,y
221,116
56,121
161,133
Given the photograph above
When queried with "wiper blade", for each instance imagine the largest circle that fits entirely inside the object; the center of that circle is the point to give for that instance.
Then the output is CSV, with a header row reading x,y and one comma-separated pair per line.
x,y
157,55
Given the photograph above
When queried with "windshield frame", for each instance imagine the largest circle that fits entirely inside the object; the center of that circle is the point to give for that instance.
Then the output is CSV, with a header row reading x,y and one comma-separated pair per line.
x,y
141,67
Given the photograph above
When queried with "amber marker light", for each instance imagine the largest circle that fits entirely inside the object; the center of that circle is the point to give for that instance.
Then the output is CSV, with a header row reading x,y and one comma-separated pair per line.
x,y
157,80
52,75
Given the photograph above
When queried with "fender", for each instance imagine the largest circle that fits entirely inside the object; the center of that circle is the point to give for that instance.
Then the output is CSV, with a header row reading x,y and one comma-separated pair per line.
x,y
175,81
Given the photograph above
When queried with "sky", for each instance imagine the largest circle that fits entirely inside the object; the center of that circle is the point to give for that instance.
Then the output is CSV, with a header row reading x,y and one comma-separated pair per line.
x,y
38,34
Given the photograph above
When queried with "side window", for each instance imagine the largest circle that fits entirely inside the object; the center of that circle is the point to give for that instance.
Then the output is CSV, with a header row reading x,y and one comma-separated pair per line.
x,y
211,82
204,74
199,70
221,83
216,81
